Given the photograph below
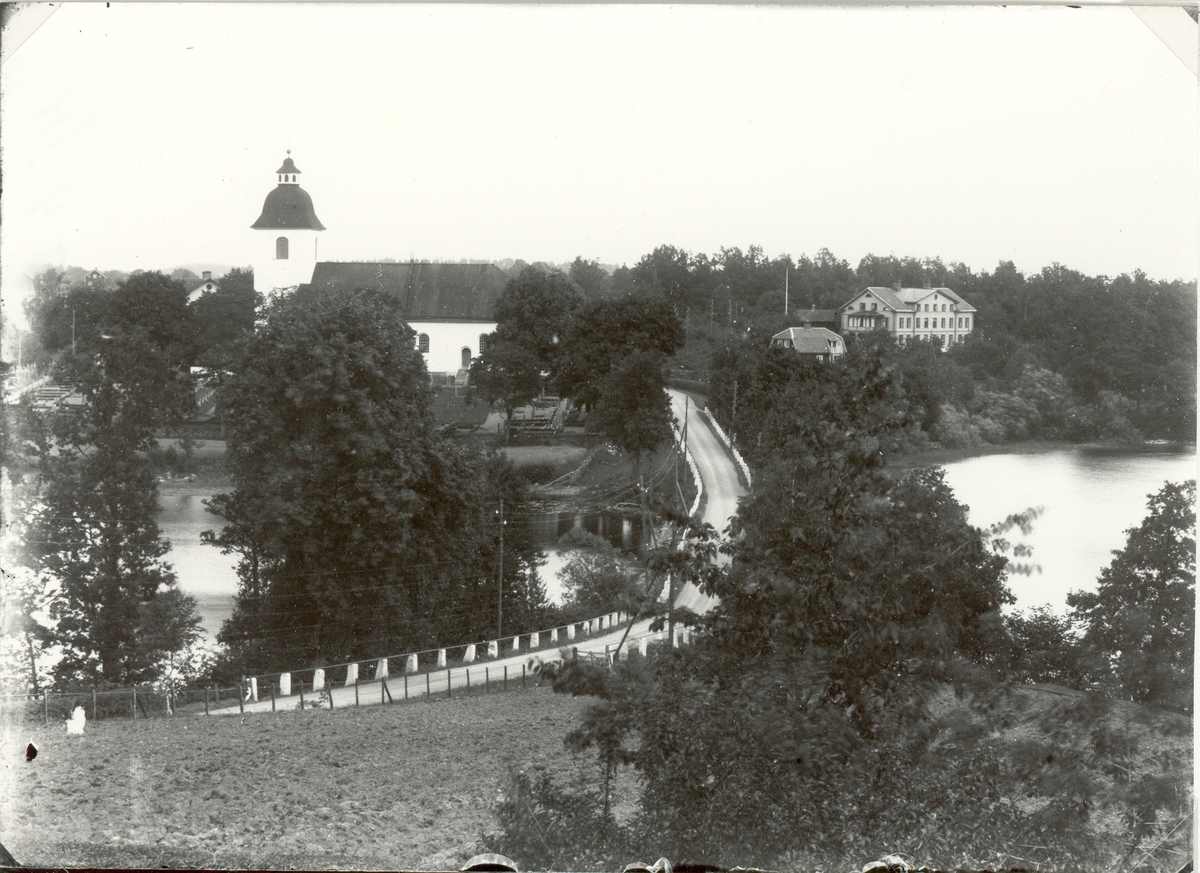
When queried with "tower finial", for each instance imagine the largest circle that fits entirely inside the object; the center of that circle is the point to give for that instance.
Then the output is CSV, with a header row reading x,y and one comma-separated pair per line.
x,y
289,151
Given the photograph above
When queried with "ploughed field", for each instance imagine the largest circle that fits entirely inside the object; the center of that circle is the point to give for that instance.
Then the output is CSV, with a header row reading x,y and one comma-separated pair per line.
x,y
410,786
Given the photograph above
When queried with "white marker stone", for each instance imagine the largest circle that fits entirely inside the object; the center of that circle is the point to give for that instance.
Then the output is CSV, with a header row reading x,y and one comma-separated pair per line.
x,y
554,635
319,679
285,684
570,632
643,646
441,657
493,649
351,674
469,657
77,722
516,646
381,669
533,640
410,665
254,689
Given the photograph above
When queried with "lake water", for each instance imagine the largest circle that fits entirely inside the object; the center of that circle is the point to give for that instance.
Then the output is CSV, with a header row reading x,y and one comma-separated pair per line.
x,y
1090,496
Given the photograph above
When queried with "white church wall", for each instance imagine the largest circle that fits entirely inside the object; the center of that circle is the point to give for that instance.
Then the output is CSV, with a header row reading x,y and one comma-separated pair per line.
x,y
271,272
447,339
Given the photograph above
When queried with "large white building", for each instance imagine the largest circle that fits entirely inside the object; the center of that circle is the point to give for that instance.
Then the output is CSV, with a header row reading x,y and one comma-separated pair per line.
x,y
908,313
450,306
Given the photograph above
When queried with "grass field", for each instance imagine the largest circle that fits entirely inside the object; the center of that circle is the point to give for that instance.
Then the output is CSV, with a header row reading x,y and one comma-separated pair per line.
x,y
405,787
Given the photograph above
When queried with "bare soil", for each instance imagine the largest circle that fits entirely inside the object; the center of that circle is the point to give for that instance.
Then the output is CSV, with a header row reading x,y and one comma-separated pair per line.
x,y
403,787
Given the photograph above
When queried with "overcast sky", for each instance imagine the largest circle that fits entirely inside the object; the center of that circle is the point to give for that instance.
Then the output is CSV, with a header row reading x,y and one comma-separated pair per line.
x,y
147,135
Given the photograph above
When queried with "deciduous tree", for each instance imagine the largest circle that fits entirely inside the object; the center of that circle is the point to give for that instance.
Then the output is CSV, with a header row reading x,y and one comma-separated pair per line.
x,y
1141,617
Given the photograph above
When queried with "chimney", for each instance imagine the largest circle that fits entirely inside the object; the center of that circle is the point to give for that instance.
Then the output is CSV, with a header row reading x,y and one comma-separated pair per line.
x,y
896,284
928,284
206,275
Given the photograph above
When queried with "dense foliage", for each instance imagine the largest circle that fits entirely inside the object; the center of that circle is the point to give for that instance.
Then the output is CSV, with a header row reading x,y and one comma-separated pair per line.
x,y
116,612
360,529
1140,620
848,695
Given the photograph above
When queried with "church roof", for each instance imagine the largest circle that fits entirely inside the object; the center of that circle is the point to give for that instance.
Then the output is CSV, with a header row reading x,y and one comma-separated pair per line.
x,y
429,291
288,207
289,166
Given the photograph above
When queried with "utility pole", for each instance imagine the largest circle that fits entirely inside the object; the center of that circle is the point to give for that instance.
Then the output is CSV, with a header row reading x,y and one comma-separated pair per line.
x,y
500,587
72,331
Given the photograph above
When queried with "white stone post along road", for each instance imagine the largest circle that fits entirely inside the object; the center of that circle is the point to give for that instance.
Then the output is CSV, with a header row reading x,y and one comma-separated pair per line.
x,y
722,489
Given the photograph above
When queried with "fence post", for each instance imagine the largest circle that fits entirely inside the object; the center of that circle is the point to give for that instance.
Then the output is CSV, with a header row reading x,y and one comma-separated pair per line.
x,y
468,682
383,689
506,677
46,705
206,700
135,703
428,693
448,695
487,684
355,691
406,688
94,704
301,695
522,675
329,687
241,701
272,696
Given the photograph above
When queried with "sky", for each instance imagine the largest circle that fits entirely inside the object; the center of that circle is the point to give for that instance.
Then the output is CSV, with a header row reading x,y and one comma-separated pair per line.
x,y
146,135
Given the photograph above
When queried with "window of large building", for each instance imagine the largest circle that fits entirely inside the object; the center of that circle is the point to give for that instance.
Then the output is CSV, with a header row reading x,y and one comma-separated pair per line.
x,y
483,343
862,306
423,343
873,307
466,357
281,249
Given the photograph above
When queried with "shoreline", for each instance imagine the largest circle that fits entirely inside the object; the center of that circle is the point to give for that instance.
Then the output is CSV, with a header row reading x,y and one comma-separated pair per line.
x,y
936,457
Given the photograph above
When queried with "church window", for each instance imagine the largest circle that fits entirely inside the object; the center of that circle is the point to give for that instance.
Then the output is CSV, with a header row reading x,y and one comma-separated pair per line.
x,y
466,357
483,343
281,248
423,343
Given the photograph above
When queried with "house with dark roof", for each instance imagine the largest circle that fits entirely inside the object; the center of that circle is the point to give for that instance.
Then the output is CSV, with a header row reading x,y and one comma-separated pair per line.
x,y
910,313
818,343
207,286
450,306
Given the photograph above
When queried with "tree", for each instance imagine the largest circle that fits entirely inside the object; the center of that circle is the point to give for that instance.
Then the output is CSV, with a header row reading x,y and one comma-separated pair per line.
x,y
360,530
117,612
223,316
595,578
589,278
614,362
1141,618
532,316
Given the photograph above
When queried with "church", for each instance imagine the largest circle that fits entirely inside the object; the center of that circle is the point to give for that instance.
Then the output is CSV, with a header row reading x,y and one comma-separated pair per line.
x,y
449,306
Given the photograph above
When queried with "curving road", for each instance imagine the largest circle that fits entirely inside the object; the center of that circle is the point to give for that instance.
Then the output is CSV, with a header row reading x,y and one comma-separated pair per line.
x,y
722,485
722,489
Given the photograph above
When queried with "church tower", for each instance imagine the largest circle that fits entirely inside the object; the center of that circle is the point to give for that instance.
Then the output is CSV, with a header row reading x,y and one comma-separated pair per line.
x,y
286,251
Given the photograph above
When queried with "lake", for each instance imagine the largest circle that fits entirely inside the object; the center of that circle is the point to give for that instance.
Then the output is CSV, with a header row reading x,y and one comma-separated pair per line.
x,y
1089,495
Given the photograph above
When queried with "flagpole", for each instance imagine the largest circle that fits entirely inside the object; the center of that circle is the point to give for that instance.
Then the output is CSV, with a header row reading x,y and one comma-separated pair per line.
x,y
786,270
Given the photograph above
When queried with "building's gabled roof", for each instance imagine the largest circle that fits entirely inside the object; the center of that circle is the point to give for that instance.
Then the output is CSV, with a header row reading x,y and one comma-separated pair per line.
x,y
429,291
810,340
288,207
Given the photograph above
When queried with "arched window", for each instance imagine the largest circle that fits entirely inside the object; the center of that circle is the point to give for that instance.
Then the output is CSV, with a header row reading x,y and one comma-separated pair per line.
x,y
281,249
466,357
423,343
483,343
